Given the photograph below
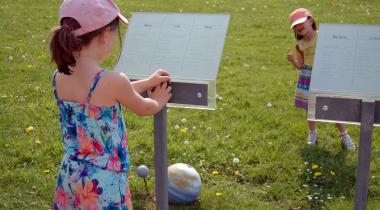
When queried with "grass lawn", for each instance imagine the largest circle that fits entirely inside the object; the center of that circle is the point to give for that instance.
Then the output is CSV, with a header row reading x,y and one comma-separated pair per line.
x,y
276,168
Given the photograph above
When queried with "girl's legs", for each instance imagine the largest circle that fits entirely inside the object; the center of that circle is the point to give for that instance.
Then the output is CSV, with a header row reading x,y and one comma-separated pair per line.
x,y
346,139
341,128
313,136
312,125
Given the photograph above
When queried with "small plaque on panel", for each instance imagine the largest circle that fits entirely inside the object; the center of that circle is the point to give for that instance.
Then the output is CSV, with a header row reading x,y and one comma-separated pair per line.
x,y
346,66
188,45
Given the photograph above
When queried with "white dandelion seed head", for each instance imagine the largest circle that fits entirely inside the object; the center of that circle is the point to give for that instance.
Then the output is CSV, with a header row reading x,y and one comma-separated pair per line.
x,y
235,160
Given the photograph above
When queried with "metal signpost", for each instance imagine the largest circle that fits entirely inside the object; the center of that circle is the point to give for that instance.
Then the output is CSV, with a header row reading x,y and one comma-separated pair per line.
x,y
345,87
189,46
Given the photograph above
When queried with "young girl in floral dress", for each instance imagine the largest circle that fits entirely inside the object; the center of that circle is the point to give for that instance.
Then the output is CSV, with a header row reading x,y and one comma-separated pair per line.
x,y
93,172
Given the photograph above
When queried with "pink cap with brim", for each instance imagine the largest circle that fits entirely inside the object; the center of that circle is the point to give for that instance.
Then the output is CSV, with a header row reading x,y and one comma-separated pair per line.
x,y
298,16
90,14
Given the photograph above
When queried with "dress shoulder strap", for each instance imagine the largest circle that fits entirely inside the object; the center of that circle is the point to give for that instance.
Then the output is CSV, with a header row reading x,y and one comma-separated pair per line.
x,y
53,83
98,76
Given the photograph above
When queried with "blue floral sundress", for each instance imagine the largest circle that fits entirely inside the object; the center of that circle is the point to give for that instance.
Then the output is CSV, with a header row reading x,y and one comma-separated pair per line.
x,y
93,172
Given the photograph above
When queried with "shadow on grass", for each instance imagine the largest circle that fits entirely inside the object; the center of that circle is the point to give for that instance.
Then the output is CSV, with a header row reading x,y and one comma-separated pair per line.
x,y
196,205
147,202
327,175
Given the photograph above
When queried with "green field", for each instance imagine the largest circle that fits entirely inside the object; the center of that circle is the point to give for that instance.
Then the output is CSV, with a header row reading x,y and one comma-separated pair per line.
x,y
275,164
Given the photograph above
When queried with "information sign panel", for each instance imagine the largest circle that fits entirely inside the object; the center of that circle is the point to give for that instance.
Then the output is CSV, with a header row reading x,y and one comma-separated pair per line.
x,y
346,66
188,45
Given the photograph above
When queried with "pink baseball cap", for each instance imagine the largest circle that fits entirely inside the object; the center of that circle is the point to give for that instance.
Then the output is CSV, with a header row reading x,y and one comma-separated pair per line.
x,y
298,16
90,14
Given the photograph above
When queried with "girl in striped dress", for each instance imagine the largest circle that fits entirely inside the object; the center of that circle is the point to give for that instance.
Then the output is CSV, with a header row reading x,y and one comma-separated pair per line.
x,y
305,32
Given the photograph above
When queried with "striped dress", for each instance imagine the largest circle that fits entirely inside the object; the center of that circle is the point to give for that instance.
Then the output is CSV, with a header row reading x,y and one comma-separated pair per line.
x,y
307,49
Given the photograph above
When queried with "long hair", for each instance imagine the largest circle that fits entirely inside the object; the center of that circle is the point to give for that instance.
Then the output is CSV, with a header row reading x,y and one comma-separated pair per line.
x,y
63,42
314,26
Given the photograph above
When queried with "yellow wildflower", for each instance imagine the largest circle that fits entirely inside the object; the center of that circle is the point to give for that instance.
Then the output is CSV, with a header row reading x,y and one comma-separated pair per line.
x,y
314,166
218,194
184,130
29,129
38,141
316,174
215,172
332,173
46,171
30,66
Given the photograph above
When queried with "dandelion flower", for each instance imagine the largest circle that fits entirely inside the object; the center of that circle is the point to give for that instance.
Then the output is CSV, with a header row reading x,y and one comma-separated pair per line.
x,y
237,173
30,66
186,142
29,129
235,160
218,194
183,130
215,172
46,171
38,141
183,120
269,105
314,166
316,174
10,58
176,127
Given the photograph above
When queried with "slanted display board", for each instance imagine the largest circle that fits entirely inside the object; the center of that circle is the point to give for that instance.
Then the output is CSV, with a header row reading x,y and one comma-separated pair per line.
x,y
346,68
190,47
187,45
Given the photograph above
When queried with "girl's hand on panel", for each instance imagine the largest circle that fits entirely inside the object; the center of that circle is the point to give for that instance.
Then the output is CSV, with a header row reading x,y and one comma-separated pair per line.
x,y
161,93
158,77
121,89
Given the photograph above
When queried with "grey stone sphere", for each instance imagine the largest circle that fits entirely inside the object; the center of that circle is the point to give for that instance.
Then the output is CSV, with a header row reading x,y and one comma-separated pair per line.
x,y
142,171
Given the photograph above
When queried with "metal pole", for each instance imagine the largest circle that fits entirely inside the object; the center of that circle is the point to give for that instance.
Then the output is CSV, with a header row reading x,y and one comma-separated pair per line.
x,y
364,158
161,160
